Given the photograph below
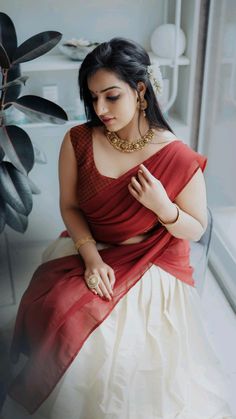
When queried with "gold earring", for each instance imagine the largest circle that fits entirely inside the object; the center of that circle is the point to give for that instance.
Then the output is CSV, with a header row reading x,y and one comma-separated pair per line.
x,y
142,105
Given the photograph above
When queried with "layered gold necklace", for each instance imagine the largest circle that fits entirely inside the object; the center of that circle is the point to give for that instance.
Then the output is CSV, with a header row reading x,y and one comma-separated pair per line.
x,y
129,146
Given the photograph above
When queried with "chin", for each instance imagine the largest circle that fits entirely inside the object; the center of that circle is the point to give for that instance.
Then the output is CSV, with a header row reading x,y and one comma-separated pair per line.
x,y
116,126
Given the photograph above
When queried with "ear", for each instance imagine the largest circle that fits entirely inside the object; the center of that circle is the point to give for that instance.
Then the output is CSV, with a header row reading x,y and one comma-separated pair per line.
x,y
141,88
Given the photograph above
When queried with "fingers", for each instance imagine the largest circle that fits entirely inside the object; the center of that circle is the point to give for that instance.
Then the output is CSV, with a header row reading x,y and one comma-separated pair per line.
x,y
135,184
104,291
145,172
112,278
107,281
142,179
105,285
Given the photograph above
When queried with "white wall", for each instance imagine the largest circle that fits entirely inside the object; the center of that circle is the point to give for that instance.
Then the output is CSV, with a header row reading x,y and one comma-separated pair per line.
x,y
95,20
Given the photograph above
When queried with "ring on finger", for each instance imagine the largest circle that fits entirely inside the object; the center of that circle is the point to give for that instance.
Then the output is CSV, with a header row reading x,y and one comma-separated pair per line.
x,y
93,281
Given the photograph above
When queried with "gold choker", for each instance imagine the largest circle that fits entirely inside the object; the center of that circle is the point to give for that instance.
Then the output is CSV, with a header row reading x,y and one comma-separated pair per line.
x,y
128,147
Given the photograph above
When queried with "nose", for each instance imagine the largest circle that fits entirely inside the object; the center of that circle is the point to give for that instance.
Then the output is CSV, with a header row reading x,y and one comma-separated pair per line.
x,y
100,107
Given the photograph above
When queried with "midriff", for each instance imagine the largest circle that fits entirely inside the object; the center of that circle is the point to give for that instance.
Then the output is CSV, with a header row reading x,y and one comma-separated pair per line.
x,y
136,239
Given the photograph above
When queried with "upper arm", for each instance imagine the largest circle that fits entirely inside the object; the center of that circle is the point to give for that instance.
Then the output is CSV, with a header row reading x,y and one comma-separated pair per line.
x,y
67,168
192,199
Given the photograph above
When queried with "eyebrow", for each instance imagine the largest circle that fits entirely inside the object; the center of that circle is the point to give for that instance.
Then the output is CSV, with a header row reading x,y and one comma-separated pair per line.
x,y
108,88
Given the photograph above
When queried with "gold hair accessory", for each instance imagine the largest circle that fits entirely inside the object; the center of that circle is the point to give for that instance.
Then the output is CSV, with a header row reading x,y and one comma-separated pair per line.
x,y
128,147
93,281
155,77
173,222
82,241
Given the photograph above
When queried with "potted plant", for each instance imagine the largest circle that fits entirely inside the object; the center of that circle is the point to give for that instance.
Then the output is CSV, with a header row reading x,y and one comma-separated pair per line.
x,y
17,156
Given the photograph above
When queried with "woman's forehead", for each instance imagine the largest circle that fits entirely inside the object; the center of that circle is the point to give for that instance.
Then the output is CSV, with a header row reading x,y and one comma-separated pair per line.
x,y
104,79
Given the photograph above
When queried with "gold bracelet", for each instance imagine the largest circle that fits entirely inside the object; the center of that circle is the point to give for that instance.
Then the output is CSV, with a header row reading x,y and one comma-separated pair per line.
x,y
82,241
173,222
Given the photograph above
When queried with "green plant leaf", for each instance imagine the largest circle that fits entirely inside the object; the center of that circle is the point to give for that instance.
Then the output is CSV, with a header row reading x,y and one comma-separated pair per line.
x,y
14,92
34,188
8,35
2,154
2,214
18,222
36,46
39,155
15,189
19,81
40,109
18,147
22,186
4,59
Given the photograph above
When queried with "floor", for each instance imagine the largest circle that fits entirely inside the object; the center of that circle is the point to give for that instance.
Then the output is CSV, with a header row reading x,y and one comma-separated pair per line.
x,y
220,318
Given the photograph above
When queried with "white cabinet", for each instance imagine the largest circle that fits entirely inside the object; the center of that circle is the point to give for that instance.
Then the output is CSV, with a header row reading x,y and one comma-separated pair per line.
x,y
45,220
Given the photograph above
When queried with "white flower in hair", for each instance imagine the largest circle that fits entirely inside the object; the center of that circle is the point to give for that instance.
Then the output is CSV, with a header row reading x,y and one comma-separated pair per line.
x,y
155,77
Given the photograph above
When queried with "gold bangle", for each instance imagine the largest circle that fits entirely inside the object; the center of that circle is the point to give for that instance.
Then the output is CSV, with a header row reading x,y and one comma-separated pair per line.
x,y
82,241
173,222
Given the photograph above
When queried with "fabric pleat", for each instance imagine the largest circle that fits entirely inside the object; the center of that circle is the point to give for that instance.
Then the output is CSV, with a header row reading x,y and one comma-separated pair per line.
x,y
151,358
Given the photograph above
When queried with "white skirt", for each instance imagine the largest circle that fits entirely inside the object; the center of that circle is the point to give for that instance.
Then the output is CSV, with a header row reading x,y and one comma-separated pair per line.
x,y
151,358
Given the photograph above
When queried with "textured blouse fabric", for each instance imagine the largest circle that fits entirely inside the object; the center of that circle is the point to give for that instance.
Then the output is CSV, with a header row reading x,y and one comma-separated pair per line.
x,y
90,181
48,336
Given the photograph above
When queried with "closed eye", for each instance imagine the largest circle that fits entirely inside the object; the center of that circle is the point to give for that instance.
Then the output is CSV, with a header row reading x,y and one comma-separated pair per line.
x,y
111,98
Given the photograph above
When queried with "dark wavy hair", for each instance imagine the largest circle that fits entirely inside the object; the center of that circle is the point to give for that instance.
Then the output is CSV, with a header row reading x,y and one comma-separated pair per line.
x,y
129,61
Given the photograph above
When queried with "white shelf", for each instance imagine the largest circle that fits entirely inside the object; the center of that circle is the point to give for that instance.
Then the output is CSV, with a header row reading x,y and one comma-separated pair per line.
x,y
61,62
48,124
50,62
182,60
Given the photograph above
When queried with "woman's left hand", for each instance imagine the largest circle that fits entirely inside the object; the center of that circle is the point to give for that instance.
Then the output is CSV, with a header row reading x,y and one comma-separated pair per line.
x,y
149,191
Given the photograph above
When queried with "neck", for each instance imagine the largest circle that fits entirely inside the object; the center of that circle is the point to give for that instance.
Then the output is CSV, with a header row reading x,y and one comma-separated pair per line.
x,y
134,130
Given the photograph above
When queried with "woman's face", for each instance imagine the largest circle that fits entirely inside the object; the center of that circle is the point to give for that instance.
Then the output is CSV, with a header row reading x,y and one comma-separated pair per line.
x,y
114,101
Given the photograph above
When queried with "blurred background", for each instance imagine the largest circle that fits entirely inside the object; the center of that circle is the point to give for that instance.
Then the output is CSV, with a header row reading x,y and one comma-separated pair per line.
x,y
194,43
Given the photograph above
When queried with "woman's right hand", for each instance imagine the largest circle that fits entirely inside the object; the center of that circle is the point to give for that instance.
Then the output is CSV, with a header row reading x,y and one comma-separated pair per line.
x,y
105,272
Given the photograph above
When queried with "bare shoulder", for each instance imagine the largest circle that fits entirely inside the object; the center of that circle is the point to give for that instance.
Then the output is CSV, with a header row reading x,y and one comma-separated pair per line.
x,y
66,139
162,135
66,149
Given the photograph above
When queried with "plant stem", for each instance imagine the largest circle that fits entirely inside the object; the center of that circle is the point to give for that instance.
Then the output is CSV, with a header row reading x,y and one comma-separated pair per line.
x,y
3,94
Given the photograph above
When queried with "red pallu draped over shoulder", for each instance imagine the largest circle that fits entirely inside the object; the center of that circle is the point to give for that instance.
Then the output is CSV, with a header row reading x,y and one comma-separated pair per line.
x,y
58,312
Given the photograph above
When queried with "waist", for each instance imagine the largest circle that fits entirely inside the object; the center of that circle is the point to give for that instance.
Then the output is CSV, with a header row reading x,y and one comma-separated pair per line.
x,y
136,239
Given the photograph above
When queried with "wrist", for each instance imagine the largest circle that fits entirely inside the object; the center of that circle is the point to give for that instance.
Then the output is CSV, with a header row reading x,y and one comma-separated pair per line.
x,y
169,215
89,253
83,240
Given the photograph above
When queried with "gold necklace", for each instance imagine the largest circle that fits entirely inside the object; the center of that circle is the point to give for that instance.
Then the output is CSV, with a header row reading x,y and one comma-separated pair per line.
x,y
128,147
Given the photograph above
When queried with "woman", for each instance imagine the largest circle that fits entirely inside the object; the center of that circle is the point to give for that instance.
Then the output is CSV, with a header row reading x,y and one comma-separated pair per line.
x,y
116,331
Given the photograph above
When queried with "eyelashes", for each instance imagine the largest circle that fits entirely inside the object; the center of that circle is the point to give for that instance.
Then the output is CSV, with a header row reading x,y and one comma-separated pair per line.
x,y
110,98
113,98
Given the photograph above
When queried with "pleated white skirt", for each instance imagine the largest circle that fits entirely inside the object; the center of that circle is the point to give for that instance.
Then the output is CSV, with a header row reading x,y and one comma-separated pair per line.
x,y
151,358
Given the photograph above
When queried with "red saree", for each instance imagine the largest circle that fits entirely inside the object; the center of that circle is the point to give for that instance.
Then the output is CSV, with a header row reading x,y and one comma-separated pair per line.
x,y
58,312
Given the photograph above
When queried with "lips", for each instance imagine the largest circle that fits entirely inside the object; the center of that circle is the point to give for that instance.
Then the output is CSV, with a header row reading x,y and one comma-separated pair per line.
x,y
106,120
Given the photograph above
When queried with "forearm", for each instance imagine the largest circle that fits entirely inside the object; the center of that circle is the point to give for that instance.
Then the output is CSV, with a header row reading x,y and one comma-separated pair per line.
x,y
78,228
186,227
